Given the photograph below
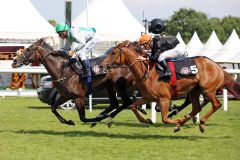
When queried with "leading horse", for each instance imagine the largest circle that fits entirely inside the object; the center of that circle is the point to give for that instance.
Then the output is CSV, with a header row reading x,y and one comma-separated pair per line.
x,y
208,79
70,86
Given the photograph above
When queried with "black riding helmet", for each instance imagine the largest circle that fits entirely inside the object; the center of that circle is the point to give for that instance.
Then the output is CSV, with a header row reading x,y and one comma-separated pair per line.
x,y
156,26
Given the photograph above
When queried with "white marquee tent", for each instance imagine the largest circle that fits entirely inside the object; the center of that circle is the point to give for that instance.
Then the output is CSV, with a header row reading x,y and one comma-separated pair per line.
x,y
20,20
112,20
235,59
230,49
194,45
212,46
179,37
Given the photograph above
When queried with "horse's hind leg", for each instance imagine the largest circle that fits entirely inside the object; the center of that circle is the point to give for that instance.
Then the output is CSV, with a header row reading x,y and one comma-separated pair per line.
x,y
60,100
113,101
216,104
176,110
81,111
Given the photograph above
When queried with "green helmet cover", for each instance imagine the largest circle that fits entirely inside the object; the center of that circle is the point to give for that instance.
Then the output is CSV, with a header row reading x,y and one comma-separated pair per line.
x,y
62,27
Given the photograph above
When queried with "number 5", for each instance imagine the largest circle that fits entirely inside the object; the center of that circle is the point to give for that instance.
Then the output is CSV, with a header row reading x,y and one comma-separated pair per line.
x,y
194,69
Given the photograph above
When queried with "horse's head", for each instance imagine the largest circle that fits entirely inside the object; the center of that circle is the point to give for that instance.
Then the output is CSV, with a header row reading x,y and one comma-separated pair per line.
x,y
117,55
18,53
31,54
114,56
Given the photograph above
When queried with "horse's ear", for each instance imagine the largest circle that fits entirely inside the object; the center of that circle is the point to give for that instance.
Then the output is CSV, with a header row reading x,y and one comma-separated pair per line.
x,y
127,43
41,41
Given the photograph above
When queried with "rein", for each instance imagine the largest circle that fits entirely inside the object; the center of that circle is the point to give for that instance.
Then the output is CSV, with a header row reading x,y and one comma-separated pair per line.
x,y
43,60
144,77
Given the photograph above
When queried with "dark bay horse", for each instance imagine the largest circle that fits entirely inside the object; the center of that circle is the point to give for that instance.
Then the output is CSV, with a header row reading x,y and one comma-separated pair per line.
x,y
70,86
209,78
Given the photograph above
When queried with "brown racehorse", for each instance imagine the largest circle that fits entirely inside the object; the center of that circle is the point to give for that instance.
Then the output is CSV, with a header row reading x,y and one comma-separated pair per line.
x,y
209,78
70,86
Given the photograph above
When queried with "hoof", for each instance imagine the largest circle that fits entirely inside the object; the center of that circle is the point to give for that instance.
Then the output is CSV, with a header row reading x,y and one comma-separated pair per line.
x,y
194,119
93,124
202,128
176,129
70,122
110,124
149,121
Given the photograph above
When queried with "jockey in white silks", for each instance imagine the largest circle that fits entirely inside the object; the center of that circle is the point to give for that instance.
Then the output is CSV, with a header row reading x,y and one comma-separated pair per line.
x,y
79,40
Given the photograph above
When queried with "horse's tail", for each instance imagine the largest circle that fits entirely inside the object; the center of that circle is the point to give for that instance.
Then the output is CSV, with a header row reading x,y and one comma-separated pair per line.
x,y
231,85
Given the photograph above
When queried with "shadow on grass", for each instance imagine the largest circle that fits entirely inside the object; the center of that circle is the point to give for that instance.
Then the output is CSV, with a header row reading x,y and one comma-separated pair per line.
x,y
109,135
133,124
39,107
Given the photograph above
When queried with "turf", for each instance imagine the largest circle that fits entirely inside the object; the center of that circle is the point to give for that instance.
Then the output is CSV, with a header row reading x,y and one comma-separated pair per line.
x,y
28,130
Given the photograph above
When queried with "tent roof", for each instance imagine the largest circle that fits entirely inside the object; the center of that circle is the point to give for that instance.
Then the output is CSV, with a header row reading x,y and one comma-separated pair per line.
x,y
211,46
179,37
194,45
112,20
229,50
20,20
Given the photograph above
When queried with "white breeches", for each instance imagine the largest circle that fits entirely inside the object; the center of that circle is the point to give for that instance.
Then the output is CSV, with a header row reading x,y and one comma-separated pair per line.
x,y
89,46
179,50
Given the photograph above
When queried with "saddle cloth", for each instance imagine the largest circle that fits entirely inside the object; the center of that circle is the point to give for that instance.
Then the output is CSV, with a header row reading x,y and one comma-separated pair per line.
x,y
185,67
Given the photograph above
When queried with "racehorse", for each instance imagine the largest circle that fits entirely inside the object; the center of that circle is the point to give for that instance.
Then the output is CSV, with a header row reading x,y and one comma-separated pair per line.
x,y
70,86
208,79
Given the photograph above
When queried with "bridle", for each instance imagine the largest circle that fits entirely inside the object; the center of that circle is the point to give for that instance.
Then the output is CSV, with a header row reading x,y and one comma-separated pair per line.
x,y
120,53
23,58
33,49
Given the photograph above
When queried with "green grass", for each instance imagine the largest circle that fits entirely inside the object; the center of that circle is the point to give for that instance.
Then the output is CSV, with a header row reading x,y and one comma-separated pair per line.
x,y
28,130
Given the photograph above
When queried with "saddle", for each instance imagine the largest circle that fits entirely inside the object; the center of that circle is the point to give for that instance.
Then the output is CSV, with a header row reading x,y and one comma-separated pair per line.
x,y
96,70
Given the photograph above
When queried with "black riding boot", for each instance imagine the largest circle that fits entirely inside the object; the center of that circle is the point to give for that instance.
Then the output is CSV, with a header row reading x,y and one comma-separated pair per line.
x,y
85,64
167,72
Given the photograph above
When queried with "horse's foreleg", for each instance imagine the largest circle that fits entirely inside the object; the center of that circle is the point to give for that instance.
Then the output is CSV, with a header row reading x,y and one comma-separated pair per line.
x,y
79,102
135,111
164,104
60,100
196,107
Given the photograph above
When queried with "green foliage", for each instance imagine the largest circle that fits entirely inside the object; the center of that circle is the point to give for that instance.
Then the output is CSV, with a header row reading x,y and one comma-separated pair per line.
x,y
186,21
229,23
29,130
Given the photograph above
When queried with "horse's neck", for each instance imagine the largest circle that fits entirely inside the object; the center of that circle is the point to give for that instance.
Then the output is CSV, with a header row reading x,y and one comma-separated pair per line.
x,y
138,69
144,77
53,66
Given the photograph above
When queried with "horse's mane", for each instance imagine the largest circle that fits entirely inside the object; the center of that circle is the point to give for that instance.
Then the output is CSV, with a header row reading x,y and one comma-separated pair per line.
x,y
48,46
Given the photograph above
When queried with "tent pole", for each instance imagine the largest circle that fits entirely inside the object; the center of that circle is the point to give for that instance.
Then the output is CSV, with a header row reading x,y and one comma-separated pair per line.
x,y
87,13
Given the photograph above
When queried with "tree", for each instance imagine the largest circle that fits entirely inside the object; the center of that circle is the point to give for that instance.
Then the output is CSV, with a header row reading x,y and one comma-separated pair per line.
x,y
229,23
216,25
186,21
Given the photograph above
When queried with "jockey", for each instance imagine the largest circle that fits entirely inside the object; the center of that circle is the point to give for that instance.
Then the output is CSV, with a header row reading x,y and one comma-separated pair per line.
x,y
85,39
160,47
